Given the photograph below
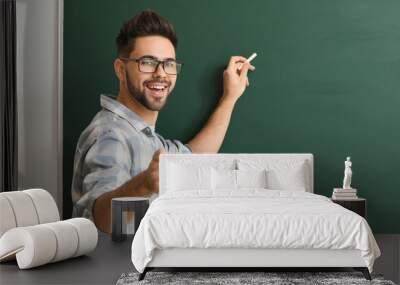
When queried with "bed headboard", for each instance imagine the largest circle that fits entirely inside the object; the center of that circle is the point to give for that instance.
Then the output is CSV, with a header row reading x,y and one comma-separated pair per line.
x,y
235,161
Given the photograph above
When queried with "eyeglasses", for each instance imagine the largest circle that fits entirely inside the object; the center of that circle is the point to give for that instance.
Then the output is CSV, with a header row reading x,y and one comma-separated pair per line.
x,y
148,64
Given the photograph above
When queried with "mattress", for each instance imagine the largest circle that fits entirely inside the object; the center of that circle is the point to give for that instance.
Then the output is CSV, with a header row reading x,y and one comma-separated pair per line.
x,y
250,219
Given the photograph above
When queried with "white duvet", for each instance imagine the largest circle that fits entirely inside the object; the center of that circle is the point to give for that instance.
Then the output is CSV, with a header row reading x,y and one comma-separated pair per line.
x,y
251,218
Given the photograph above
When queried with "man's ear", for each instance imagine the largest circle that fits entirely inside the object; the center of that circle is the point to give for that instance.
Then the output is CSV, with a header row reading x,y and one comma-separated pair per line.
x,y
119,69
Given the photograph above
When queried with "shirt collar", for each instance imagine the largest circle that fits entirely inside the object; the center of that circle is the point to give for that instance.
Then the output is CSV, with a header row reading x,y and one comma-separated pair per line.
x,y
111,104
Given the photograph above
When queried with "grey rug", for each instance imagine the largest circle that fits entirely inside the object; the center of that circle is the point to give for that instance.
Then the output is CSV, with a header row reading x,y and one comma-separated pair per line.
x,y
229,278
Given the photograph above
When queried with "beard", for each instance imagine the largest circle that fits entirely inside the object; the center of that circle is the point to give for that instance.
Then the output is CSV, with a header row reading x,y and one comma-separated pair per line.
x,y
154,105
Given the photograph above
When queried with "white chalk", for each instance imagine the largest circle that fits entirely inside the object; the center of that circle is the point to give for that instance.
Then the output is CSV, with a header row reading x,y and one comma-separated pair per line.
x,y
248,60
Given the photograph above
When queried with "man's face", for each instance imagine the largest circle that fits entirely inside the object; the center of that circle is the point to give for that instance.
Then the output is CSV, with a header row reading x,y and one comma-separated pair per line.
x,y
150,89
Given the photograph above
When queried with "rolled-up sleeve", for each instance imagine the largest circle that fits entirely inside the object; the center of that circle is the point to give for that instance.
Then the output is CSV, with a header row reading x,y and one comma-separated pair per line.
x,y
106,167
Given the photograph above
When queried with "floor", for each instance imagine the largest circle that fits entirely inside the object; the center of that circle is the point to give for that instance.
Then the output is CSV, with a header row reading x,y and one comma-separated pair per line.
x,y
389,262
96,268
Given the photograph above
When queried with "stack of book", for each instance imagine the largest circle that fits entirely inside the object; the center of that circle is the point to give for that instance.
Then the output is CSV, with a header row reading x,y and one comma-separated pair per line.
x,y
344,194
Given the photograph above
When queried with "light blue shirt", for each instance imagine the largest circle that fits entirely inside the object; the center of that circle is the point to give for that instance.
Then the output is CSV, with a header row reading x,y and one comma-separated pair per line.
x,y
116,146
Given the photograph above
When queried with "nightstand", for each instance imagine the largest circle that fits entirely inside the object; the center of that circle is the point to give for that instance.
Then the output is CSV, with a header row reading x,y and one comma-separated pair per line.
x,y
126,214
358,206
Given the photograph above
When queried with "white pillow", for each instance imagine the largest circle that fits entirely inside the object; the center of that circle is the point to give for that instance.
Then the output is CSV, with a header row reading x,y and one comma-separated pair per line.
x,y
234,179
294,178
185,177
223,179
281,174
251,178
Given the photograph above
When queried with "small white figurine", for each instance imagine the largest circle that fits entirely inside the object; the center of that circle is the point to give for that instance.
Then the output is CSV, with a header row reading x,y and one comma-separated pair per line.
x,y
347,174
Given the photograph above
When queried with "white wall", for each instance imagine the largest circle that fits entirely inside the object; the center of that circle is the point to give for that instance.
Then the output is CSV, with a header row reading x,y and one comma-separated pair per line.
x,y
39,93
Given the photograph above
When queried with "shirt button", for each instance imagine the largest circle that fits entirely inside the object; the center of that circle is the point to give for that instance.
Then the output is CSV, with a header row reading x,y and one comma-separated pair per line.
x,y
147,131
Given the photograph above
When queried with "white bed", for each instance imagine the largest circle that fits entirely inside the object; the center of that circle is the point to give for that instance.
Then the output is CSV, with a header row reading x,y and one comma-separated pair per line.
x,y
268,218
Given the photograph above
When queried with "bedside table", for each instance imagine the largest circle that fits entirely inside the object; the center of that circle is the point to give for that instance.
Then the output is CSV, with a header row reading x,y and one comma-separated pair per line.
x,y
358,206
126,214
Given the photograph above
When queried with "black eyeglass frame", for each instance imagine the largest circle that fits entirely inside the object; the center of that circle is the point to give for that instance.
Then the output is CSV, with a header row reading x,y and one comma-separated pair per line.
x,y
179,65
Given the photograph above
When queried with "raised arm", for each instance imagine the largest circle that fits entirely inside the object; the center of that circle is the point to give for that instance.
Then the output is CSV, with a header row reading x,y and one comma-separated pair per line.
x,y
211,136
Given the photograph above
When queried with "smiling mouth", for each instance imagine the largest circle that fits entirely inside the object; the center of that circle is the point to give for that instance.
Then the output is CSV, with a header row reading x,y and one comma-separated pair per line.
x,y
157,89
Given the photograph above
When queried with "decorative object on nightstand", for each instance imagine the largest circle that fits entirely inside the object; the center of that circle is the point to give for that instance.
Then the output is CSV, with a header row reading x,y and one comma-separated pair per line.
x,y
346,193
348,173
126,214
358,205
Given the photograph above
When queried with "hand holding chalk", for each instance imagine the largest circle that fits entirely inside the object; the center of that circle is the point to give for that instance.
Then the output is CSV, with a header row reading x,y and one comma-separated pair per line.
x,y
248,60
235,76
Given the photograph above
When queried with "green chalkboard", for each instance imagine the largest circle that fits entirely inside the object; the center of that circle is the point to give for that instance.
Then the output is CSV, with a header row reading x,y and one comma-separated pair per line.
x,y
327,82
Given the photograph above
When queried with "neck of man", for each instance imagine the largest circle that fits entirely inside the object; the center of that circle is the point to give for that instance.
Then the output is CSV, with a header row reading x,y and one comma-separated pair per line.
x,y
149,116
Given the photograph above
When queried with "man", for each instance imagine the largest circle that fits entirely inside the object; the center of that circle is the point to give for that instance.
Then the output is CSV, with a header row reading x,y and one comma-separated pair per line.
x,y
117,154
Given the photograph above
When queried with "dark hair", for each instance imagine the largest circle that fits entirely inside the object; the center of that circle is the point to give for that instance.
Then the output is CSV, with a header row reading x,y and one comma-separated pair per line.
x,y
147,23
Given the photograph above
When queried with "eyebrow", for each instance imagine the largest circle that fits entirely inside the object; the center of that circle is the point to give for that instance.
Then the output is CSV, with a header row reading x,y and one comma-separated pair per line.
x,y
153,57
